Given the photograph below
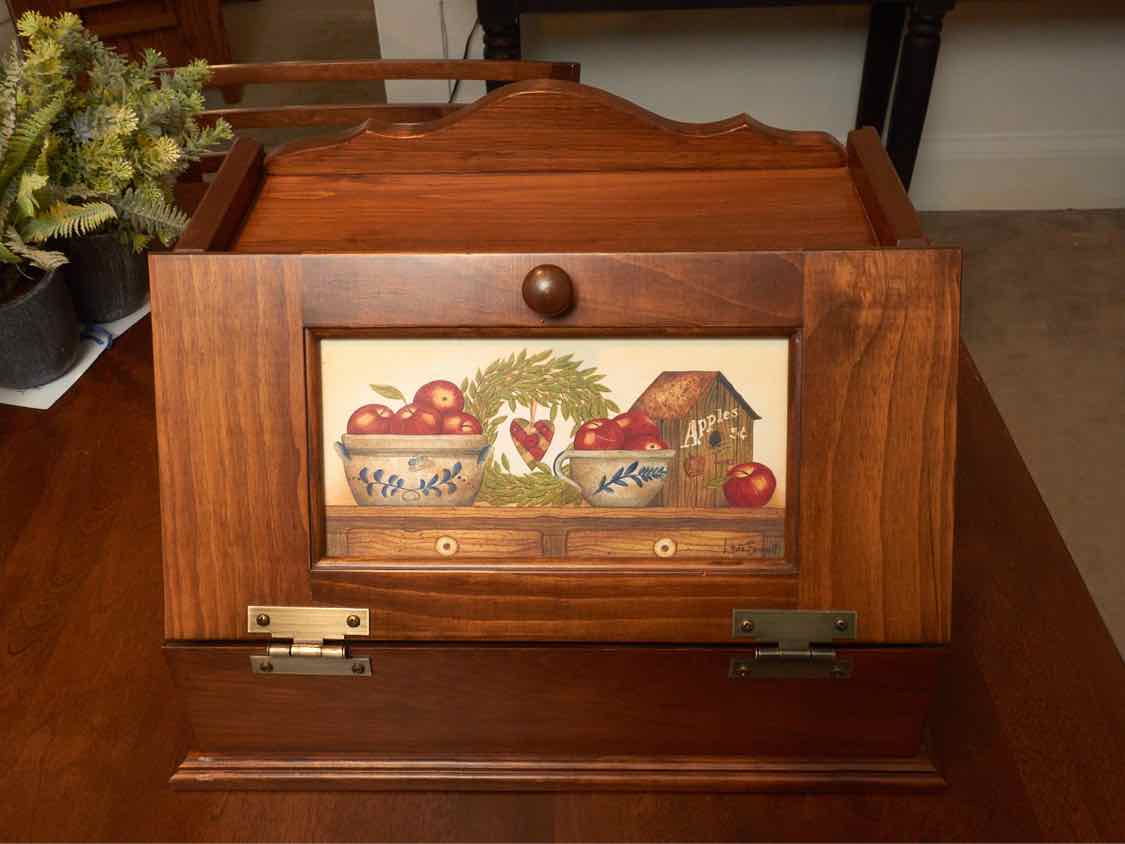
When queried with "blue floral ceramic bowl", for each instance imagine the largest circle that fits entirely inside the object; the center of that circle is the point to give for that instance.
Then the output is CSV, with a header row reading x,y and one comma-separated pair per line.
x,y
616,478
396,470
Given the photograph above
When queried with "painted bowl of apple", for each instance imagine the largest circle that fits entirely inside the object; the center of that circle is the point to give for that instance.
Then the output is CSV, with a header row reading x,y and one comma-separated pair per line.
x,y
402,470
616,478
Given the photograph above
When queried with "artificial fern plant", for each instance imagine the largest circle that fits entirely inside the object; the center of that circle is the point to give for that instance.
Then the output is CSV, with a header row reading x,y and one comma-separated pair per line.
x,y
126,129
32,210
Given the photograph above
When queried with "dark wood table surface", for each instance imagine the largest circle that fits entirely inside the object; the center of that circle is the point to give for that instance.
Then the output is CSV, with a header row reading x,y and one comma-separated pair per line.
x,y
1030,725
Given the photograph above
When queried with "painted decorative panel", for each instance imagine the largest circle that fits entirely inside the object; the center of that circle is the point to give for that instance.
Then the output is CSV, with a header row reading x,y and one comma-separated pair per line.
x,y
607,435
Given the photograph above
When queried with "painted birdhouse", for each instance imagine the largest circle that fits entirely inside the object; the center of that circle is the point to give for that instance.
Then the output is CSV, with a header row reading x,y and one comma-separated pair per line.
x,y
710,425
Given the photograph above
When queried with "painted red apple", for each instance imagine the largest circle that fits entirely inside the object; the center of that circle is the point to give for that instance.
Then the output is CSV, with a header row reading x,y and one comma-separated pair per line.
x,y
373,419
460,423
599,435
442,396
749,485
636,423
644,442
419,419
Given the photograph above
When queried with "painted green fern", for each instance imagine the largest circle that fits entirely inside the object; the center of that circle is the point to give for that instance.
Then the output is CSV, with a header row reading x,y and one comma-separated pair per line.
x,y
125,134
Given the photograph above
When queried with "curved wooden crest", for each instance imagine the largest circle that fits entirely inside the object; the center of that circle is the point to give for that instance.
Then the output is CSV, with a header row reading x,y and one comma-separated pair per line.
x,y
550,125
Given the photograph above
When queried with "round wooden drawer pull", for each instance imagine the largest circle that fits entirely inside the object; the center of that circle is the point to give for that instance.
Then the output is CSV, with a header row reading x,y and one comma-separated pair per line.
x,y
447,546
548,290
664,547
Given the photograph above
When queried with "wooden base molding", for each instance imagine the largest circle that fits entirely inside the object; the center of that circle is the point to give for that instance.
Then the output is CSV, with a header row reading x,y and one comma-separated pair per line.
x,y
223,771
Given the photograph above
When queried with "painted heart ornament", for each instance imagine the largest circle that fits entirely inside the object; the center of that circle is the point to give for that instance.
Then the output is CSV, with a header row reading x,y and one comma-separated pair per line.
x,y
532,439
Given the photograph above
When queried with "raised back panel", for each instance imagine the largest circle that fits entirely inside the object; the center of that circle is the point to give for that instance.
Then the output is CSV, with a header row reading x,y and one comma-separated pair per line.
x,y
556,126
555,166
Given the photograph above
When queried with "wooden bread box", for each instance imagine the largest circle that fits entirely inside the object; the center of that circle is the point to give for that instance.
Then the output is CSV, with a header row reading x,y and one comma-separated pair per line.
x,y
556,445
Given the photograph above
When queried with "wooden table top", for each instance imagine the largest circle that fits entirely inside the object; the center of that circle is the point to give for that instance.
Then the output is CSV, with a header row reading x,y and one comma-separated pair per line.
x,y
1030,725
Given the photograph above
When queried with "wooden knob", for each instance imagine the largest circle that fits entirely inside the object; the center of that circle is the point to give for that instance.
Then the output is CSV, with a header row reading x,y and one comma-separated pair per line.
x,y
548,290
447,546
664,547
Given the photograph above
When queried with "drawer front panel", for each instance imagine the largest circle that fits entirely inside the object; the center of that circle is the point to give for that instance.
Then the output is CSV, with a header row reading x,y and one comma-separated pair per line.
x,y
681,545
392,544
440,701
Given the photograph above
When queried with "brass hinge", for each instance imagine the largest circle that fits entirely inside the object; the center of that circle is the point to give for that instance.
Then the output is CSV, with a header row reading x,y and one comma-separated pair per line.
x,y
310,628
800,643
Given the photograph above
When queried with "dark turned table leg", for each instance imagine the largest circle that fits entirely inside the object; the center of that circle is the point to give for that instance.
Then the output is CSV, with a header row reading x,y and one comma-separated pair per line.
x,y
500,25
915,79
884,36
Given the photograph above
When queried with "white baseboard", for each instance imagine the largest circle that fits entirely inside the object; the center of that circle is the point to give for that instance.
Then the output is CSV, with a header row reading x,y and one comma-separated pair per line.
x,y
1021,170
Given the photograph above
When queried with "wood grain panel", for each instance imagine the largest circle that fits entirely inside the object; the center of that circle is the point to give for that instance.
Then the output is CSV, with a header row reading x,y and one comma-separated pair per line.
x,y
623,294
694,211
581,703
602,132
428,603
878,439
231,439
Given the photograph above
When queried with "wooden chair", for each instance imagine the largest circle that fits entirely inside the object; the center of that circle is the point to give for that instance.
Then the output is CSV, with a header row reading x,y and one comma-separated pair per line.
x,y
226,77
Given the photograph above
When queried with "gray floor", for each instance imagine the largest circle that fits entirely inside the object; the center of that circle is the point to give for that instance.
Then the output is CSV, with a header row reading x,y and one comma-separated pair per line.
x,y
1043,314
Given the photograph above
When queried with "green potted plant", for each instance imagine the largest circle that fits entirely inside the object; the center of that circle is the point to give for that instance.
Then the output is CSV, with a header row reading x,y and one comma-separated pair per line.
x,y
127,131
38,327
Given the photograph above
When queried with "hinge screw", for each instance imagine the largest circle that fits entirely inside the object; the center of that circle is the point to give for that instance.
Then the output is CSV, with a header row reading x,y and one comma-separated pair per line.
x,y
357,668
353,620
266,667
747,626
263,620
840,624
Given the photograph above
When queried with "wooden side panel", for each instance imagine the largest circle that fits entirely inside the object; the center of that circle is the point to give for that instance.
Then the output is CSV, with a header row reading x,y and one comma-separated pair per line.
x,y
892,216
560,126
231,435
223,207
878,439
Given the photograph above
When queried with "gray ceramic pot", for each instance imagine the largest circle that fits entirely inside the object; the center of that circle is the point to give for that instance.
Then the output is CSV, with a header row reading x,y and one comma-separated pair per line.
x,y
108,279
38,333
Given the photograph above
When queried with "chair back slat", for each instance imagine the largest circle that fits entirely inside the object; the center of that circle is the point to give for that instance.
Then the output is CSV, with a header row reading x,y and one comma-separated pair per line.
x,y
347,114
368,70
229,78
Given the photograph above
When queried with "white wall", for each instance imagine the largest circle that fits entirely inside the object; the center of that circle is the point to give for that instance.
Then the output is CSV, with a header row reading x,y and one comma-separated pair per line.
x,y
1028,107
